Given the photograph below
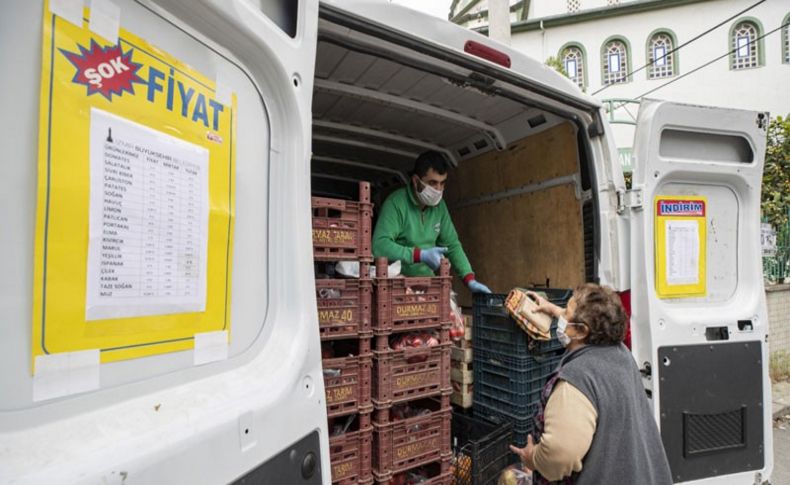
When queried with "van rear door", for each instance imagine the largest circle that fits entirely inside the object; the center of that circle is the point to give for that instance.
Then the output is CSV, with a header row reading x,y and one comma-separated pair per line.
x,y
699,314
194,114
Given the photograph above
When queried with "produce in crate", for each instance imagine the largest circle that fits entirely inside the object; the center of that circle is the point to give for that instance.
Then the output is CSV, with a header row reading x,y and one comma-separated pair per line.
x,y
462,468
350,269
414,477
328,294
414,340
457,329
327,351
400,412
515,475
524,310
417,340
339,426
339,348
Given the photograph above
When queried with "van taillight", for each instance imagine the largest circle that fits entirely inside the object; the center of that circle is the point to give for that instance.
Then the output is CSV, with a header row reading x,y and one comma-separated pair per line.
x,y
625,298
487,53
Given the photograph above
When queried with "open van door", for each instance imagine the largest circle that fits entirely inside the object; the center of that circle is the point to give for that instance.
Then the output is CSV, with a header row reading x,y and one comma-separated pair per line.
x,y
699,313
157,281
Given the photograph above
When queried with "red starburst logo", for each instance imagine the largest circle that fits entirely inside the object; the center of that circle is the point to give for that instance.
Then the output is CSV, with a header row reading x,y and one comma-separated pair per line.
x,y
104,70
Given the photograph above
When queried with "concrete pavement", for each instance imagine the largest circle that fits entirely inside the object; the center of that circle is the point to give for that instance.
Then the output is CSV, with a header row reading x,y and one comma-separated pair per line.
x,y
781,398
781,414
781,473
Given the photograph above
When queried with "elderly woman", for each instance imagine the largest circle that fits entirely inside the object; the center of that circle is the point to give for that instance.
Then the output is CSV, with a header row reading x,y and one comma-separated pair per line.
x,y
594,424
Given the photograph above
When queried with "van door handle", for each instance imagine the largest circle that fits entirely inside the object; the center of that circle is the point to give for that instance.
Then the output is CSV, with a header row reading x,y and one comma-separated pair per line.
x,y
646,370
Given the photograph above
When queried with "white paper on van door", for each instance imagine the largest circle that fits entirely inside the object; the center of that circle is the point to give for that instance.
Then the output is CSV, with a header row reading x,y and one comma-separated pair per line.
x,y
682,252
147,252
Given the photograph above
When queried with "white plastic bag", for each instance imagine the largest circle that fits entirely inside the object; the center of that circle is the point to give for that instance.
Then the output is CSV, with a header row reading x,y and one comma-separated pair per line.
x,y
457,330
350,269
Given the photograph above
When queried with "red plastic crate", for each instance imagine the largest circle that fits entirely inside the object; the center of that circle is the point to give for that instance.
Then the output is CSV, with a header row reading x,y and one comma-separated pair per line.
x,y
344,307
438,473
350,453
342,229
404,444
408,374
347,382
404,304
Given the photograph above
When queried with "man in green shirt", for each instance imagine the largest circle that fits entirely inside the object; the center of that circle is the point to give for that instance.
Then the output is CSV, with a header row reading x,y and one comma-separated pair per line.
x,y
414,225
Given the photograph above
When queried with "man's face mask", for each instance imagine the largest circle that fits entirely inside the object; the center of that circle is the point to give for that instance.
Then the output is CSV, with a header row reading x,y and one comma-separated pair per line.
x,y
428,196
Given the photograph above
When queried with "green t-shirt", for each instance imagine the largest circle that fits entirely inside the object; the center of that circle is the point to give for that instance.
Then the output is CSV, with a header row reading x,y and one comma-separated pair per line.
x,y
403,226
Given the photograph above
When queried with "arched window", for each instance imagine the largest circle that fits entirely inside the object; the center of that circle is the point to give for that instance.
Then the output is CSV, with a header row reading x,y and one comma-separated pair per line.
x,y
786,40
573,5
744,46
615,62
573,62
660,58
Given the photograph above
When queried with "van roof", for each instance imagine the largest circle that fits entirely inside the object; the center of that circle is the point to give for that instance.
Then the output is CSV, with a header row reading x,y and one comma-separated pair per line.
x,y
441,32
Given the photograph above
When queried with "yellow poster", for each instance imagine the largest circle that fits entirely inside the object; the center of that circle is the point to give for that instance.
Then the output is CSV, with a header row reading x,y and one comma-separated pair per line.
x,y
134,224
680,246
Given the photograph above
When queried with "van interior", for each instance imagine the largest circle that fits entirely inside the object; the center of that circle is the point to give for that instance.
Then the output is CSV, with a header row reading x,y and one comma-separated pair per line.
x,y
519,190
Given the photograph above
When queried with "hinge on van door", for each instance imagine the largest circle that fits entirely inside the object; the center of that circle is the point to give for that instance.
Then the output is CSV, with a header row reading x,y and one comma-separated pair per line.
x,y
629,199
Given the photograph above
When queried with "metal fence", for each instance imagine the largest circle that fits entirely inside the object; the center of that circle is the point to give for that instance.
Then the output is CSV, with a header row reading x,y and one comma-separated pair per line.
x,y
776,254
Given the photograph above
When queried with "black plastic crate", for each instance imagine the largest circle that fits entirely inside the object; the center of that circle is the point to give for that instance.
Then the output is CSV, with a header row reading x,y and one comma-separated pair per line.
x,y
503,387
496,331
521,426
482,449
495,400
524,368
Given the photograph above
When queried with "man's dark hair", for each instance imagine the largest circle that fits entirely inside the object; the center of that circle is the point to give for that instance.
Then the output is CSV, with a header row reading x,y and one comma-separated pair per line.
x,y
601,309
430,160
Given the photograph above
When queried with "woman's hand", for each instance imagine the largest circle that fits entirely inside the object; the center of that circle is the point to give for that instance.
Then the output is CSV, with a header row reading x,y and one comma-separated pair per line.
x,y
526,453
545,306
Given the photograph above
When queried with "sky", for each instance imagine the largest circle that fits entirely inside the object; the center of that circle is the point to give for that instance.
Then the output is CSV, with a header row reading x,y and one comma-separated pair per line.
x,y
438,8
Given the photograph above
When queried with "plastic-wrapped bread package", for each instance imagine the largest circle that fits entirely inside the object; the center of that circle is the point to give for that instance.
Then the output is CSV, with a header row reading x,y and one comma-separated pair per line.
x,y
525,311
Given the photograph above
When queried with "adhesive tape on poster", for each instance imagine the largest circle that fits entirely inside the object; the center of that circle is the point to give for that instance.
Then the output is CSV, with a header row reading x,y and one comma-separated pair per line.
x,y
211,347
105,19
222,92
65,373
70,10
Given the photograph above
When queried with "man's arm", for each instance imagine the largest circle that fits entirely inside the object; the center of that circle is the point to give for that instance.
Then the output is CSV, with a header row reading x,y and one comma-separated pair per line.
x,y
448,237
388,228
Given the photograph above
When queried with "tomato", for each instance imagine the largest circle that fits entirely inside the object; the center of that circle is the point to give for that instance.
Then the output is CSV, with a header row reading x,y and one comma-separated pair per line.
x,y
399,479
327,353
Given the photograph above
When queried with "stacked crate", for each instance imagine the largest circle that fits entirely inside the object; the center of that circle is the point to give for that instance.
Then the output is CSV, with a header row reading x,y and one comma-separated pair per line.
x,y
461,375
510,369
411,446
482,449
342,232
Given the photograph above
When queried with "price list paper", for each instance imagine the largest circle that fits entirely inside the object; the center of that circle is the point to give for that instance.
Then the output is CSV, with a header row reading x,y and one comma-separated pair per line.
x,y
680,246
148,221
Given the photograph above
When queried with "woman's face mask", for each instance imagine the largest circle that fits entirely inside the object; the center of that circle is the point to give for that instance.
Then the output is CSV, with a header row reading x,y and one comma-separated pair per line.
x,y
429,196
563,337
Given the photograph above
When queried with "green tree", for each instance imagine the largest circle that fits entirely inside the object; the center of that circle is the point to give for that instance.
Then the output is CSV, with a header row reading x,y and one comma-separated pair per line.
x,y
776,174
556,64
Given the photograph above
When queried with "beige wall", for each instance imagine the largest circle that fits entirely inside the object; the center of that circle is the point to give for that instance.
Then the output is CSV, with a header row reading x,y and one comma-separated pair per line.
x,y
778,297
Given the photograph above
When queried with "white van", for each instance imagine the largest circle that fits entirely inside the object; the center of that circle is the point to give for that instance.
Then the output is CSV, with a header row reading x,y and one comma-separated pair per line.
x,y
249,107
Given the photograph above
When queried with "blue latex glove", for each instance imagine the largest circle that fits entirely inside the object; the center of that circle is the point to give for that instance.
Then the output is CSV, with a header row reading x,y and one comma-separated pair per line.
x,y
432,257
478,287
